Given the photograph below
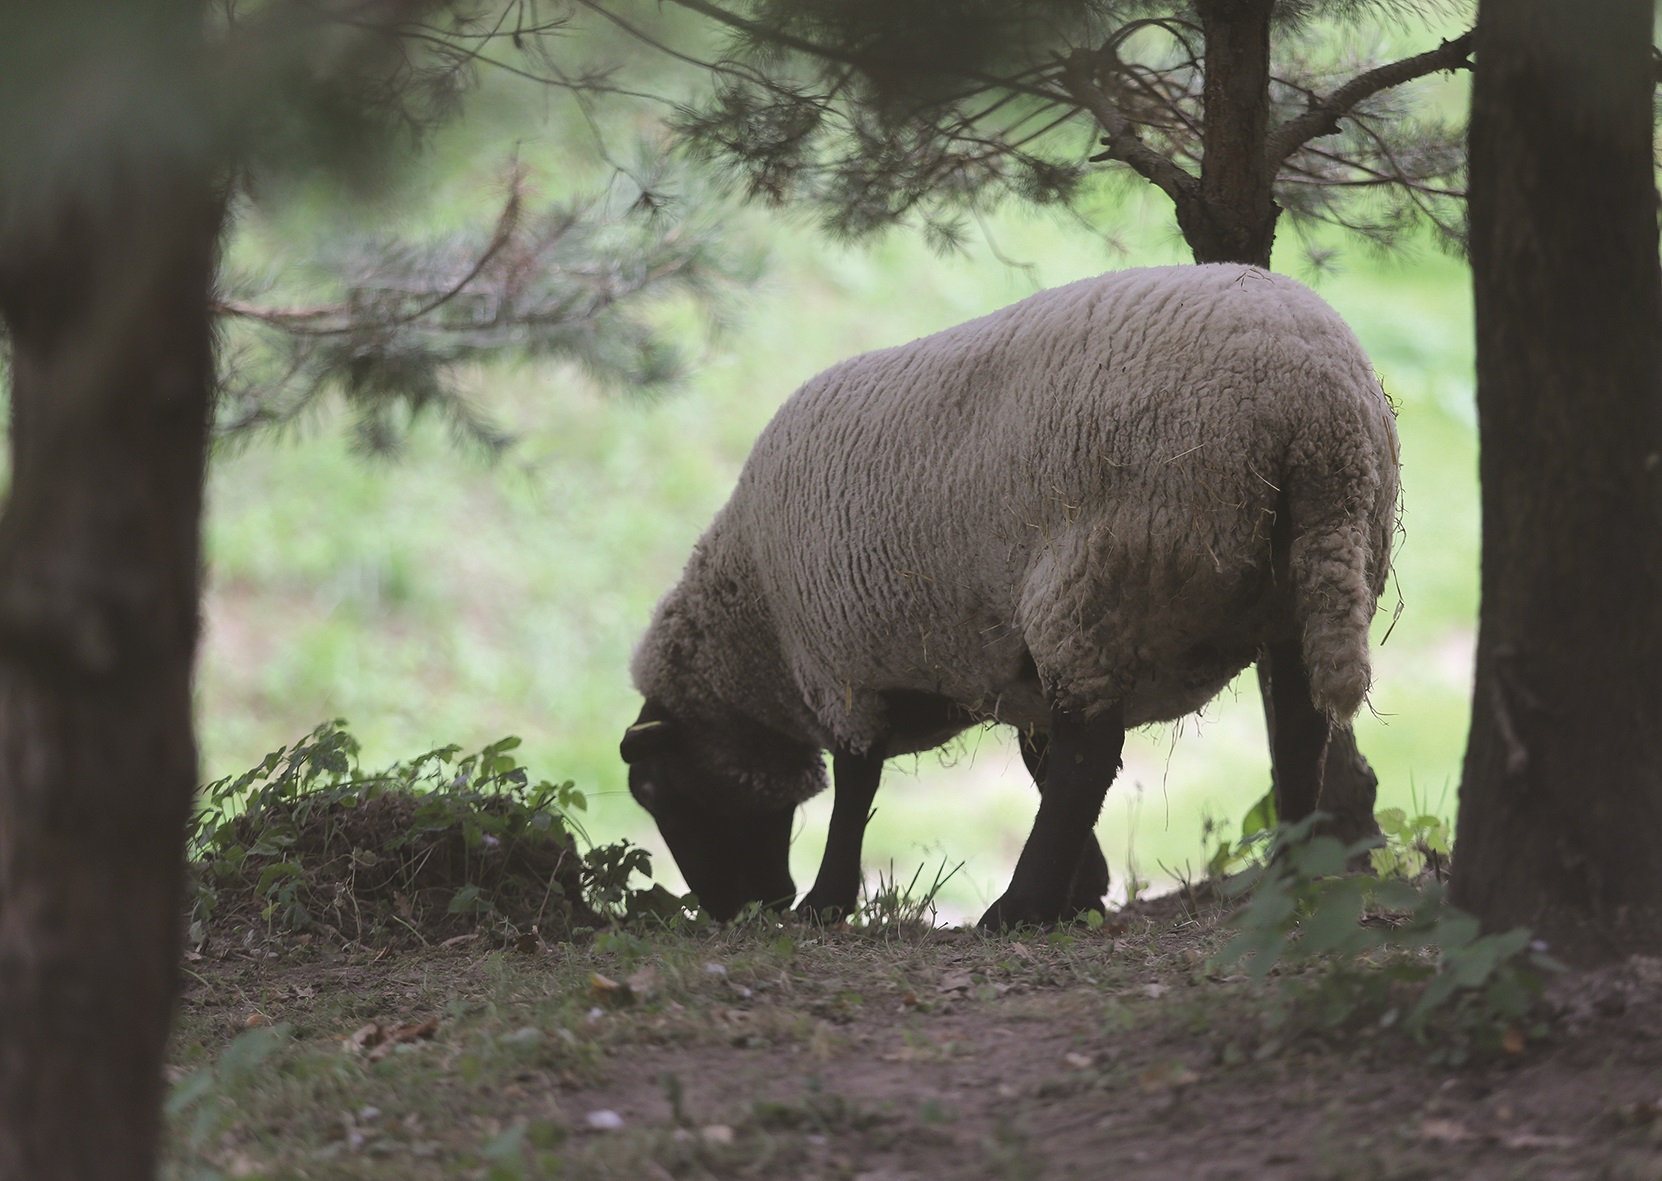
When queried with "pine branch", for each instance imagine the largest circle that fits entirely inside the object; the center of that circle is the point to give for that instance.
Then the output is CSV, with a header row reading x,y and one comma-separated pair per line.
x,y
1324,114
405,322
1122,142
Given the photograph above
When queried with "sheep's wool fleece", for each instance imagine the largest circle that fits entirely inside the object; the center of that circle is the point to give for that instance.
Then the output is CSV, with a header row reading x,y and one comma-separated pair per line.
x,y
1088,477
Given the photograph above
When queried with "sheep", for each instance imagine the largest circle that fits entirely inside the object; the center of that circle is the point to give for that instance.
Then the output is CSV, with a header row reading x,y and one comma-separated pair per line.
x,y
1082,513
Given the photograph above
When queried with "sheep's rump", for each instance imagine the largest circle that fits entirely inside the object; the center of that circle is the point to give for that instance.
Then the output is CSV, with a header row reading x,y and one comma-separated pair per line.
x,y
1068,499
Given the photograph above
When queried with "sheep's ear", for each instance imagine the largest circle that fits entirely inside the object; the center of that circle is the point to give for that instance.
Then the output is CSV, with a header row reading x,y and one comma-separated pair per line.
x,y
648,736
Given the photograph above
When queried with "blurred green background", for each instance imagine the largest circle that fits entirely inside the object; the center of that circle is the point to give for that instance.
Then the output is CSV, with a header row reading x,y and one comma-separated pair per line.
x,y
442,598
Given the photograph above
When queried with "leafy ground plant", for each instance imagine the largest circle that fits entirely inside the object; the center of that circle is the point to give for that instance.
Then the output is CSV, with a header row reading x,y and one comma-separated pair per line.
x,y
307,844
1355,949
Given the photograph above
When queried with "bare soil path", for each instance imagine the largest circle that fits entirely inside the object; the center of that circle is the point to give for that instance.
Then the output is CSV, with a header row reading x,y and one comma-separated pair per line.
x,y
787,1052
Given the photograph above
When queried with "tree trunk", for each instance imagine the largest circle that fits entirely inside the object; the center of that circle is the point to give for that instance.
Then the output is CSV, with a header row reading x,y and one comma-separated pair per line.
x,y
104,288
1232,219
1560,821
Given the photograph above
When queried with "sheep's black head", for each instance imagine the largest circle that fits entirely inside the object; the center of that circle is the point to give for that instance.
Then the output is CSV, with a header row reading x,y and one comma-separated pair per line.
x,y
731,841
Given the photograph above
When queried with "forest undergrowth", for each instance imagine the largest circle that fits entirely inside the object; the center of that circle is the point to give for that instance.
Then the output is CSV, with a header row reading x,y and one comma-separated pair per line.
x,y
428,971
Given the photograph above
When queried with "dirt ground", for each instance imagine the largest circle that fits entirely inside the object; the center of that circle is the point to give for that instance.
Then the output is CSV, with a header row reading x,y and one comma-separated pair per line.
x,y
782,1051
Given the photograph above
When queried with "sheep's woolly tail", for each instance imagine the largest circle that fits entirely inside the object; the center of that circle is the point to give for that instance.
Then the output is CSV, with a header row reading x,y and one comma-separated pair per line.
x,y
1342,512
1334,608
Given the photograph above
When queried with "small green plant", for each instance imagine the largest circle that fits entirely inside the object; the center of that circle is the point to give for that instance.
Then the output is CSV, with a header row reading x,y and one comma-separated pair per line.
x,y
1414,844
203,1103
443,844
1231,856
1385,951
890,905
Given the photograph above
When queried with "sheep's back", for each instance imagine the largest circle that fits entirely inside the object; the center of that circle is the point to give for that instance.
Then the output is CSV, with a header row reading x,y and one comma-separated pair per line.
x,y
1088,477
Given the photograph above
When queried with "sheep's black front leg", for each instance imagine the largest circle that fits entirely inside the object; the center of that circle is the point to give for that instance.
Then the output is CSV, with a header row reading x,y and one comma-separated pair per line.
x,y
854,780
1298,732
1083,758
1090,876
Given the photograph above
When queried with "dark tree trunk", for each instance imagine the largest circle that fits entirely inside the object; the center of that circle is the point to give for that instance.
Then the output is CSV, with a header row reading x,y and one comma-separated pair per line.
x,y
1560,822
105,275
1232,219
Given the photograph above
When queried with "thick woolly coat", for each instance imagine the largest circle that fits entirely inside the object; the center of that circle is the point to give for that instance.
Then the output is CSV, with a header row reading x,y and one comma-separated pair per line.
x,y
1070,500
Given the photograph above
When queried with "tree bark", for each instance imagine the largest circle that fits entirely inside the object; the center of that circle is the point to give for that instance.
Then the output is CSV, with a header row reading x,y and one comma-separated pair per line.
x,y
1560,823
104,292
1232,219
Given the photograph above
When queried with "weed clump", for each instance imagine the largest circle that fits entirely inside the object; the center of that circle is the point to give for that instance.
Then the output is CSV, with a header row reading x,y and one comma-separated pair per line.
x,y
307,844
1356,951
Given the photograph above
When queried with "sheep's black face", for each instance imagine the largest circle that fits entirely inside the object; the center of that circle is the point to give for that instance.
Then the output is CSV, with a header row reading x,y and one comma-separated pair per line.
x,y
730,851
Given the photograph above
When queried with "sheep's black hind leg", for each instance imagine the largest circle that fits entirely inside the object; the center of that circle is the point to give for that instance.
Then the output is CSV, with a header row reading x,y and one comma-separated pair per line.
x,y
854,780
1090,876
1083,758
1299,734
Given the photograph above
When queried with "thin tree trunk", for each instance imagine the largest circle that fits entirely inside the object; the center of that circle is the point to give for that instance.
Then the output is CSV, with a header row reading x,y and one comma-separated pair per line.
x,y
104,291
1560,821
1232,219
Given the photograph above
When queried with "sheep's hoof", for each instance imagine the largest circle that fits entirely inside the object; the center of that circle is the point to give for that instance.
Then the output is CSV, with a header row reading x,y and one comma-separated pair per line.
x,y
1010,912
1090,882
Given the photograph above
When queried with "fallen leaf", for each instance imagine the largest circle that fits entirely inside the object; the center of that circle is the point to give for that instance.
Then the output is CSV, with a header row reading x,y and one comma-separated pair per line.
x,y
419,1031
365,1036
243,1165
1512,1041
908,998
1534,1140
379,1040
603,1121
1079,1061
255,1020
643,982
1643,1111
1156,990
956,982
608,991
1445,1131
1021,951
456,940
716,1134
1167,1076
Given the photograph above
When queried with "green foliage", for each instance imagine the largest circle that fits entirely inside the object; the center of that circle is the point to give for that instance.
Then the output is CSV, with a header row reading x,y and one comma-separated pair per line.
x,y
1413,844
441,844
392,325
1355,949
933,112
200,1106
1257,827
891,906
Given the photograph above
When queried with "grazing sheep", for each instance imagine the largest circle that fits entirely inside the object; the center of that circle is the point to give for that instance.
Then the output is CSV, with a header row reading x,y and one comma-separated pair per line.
x,y
1085,512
